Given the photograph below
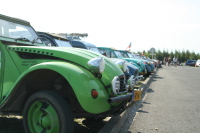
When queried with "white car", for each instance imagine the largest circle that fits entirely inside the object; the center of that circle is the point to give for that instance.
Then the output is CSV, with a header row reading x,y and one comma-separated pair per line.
x,y
197,63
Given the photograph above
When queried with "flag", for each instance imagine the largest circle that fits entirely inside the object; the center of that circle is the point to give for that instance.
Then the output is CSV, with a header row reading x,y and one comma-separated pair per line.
x,y
143,53
129,47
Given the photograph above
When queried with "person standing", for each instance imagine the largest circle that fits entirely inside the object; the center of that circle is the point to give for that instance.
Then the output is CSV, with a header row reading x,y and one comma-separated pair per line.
x,y
175,60
165,61
169,60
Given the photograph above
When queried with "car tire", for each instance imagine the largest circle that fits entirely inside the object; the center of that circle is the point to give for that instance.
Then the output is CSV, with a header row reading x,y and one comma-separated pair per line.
x,y
47,111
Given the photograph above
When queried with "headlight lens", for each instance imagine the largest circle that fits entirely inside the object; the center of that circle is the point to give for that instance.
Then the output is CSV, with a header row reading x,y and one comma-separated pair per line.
x,y
123,65
97,65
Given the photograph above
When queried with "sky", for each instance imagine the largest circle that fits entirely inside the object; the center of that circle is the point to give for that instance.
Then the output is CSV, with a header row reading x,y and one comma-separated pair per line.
x,y
160,24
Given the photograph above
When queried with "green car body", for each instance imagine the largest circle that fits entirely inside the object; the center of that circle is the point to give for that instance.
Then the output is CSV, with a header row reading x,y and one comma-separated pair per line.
x,y
111,53
50,86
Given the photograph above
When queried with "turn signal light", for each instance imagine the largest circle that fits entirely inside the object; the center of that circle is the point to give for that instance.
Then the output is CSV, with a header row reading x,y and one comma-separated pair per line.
x,y
94,93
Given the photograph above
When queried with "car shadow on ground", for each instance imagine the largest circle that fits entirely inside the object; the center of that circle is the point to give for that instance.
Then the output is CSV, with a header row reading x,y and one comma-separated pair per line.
x,y
89,126
11,125
156,77
150,90
15,125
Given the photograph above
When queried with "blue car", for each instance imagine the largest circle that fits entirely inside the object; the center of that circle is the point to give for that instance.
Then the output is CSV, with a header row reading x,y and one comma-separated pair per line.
x,y
190,62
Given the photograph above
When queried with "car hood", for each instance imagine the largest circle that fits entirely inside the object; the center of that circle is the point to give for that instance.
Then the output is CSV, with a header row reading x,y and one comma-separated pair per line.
x,y
72,55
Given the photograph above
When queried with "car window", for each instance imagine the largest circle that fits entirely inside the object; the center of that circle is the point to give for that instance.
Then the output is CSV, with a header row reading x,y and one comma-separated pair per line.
x,y
15,31
130,55
62,43
113,55
118,54
124,55
96,50
47,41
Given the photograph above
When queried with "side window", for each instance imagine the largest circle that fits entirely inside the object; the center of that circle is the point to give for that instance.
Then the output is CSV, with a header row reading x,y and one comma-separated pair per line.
x,y
78,44
108,53
113,55
101,50
46,41
124,55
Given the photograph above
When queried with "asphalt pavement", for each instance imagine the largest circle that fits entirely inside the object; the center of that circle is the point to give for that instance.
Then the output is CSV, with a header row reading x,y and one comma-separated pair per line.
x,y
171,105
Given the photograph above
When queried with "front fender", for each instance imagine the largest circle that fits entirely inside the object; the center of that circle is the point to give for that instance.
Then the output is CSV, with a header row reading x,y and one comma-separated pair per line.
x,y
148,67
82,82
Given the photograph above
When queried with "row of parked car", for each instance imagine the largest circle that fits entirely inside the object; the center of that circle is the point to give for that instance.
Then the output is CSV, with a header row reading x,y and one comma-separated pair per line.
x,y
144,65
50,79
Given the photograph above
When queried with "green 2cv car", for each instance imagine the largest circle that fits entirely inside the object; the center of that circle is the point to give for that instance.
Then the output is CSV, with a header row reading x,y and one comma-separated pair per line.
x,y
50,86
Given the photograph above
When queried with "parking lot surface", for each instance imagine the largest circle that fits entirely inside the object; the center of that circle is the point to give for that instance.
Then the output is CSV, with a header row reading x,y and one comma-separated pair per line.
x,y
171,105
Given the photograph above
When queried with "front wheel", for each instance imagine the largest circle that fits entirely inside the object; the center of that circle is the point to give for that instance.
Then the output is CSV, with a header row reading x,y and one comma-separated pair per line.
x,y
47,112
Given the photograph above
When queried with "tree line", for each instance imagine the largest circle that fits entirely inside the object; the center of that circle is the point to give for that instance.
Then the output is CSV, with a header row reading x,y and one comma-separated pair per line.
x,y
182,55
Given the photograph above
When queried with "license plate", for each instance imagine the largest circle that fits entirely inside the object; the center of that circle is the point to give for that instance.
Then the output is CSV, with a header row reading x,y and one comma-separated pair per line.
x,y
137,95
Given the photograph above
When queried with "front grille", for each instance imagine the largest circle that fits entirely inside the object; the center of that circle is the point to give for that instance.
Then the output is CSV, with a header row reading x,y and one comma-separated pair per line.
x,y
122,83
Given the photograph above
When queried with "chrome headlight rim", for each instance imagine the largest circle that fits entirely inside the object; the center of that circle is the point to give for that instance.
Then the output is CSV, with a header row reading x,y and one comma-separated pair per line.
x,y
123,65
102,65
131,82
97,65
115,85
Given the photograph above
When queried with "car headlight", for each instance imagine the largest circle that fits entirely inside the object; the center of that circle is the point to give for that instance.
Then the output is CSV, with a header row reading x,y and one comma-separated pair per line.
x,y
97,65
149,63
131,82
127,70
123,65
116,85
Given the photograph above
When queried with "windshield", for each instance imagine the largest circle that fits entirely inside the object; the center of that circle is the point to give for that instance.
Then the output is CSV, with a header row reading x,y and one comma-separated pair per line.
x,y
16,31
118,54
137,56
62,43
96,50
130,55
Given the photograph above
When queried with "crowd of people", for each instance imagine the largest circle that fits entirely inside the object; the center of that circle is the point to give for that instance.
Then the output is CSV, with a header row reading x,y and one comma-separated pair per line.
x,y
168,60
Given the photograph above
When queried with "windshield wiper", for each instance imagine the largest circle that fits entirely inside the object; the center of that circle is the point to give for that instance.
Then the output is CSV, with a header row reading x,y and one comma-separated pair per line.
x,y
22,38
35,40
